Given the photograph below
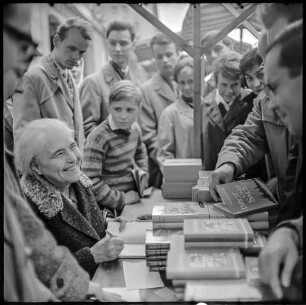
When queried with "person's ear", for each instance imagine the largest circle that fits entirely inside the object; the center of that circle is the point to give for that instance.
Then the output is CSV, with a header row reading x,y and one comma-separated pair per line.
x,y
56,40
36,167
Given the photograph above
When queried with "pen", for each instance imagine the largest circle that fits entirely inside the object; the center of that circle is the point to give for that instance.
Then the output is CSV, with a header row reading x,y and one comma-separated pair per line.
x,y
109,234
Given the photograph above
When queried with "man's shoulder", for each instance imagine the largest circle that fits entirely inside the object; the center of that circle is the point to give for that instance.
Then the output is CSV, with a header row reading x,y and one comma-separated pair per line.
x,y
148,84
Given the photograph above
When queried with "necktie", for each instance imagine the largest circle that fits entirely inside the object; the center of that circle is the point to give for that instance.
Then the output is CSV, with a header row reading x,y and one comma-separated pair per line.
x,y
222,109
69,83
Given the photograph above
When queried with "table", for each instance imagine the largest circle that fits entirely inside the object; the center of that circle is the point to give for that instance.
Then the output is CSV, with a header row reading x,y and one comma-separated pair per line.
x,y
111,274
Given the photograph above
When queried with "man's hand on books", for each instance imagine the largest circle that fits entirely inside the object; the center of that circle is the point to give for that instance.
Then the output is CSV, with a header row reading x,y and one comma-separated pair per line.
x,y
221,175
278,259
131,197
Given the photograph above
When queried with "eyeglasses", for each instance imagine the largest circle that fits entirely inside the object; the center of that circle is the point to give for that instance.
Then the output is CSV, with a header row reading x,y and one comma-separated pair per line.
x,y
20,36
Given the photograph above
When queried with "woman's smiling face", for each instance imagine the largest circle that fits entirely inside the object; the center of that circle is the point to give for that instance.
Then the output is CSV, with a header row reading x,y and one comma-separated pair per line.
x,y
59,161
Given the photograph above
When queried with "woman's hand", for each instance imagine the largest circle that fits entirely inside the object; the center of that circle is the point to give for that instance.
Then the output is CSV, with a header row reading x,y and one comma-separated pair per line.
x,y
103,296
120,219
107,249
131,197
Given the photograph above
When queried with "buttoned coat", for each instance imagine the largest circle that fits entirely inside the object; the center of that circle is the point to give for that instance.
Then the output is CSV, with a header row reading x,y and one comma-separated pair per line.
x,y
176,132
46,95
263,131
94,93
216,128
157,95
78,229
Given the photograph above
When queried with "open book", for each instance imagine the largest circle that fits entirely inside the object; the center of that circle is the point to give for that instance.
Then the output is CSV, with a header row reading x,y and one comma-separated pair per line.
x,y
141,178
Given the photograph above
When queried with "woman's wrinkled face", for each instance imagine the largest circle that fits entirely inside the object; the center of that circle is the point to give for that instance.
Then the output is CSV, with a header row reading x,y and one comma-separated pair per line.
x,y
60,160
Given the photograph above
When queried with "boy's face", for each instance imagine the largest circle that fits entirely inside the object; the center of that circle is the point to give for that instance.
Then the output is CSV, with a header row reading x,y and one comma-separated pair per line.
x,y
255,78
124,112
228,88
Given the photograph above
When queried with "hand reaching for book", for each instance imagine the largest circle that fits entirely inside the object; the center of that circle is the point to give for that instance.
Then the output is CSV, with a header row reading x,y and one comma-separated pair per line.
x,y
96,290
107,249
278,259
131,197
223,174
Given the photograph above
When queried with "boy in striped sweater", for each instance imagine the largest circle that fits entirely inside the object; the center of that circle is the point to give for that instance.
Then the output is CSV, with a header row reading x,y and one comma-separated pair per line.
x,y
114,148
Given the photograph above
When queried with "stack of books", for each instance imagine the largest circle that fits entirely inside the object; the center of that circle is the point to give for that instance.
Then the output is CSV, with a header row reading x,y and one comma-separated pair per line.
x,y
171,215
180,175
200,192
157,245
247,198
202,263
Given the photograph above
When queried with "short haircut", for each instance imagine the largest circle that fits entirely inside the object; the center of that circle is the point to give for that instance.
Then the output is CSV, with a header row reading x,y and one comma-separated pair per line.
x,y
290,41
124,89
211,34
269,12
185,61
84,26
228,66
161,39
249,59
120,26
33,139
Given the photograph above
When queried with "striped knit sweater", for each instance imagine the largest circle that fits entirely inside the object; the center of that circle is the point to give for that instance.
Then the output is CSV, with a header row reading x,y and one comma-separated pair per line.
x,y
108,162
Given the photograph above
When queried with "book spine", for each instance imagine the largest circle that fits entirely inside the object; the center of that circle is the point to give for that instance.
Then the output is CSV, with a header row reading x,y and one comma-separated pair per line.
x,y
259,225
199,245
156,257
157,268
156,263
157,246
156,252
168,225
258,216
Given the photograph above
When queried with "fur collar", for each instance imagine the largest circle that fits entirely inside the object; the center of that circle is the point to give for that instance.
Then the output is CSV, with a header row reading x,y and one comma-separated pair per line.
x,y
46,196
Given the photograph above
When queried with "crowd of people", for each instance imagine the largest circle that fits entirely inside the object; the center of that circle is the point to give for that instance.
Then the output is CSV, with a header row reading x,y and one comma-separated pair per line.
x,y
72,143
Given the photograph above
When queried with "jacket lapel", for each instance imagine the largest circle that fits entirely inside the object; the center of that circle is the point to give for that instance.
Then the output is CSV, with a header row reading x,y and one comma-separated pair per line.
x,y
212,110
163,89
184,109
76,220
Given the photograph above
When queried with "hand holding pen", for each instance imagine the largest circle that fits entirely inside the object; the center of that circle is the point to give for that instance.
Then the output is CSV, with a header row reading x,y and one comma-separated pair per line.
x,y
107,249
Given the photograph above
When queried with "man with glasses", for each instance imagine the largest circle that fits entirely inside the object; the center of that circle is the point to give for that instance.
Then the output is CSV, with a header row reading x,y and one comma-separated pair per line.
x,y
94,90
49,88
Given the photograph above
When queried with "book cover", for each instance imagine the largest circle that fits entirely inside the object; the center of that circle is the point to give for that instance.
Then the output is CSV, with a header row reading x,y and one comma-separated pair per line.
x,y
182,169
244,197
203,263
178,211
222,291
160,239
156,257
141,181
224,229
158,252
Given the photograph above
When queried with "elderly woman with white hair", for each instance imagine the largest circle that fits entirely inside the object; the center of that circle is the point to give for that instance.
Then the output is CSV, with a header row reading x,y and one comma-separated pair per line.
x,y
49,160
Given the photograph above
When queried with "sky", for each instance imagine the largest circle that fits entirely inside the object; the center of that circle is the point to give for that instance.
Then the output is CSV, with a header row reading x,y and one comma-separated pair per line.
x,y
172,15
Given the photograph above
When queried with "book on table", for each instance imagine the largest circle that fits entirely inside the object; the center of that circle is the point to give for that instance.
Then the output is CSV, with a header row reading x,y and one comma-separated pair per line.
x,y
159,239
177,189
182,170
224,229
178,211
141,178
203,263
244,197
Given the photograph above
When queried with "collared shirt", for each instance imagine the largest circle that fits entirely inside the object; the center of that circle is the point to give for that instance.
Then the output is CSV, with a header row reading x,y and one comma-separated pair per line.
x,y
113,124
219,100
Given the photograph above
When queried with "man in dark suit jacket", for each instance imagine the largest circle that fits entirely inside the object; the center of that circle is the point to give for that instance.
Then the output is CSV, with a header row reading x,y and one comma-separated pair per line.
x,y
158,92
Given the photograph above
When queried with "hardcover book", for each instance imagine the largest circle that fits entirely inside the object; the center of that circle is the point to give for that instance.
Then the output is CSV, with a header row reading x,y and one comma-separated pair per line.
x,y
175,189
205,263
225,229
261,225
141,178
178,211
243,197
182,170
257,245
160,239
218,244
168,225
